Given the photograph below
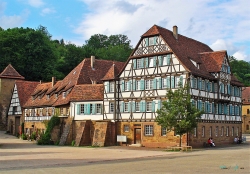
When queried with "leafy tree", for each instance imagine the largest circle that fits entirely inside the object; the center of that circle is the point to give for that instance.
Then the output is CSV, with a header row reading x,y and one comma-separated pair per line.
x,y
178,113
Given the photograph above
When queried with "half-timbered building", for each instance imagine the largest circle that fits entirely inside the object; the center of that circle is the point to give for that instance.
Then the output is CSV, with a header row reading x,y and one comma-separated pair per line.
x,y
162,59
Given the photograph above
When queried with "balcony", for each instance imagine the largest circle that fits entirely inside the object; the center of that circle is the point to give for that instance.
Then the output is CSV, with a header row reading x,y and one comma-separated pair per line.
x,y
36,118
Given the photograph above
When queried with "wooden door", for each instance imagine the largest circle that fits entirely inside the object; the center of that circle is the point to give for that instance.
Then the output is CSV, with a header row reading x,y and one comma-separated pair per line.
x,y
17,124
137,136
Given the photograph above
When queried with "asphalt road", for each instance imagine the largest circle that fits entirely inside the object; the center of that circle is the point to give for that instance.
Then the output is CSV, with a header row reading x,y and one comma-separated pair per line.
x,y
18,156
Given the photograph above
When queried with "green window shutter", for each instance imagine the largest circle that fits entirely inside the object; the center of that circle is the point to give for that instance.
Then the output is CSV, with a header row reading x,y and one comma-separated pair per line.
x,y
133,106
122,85
134,63
172,82
159,83
229,89
168,82
134,84
85,109
212,107
159,104
168,59
219,108
142,84
181,80
93,108
146,39
153,106
141,106
200,85
159,60
108,87
146,62
88,108
225,109
129,106
78,109
155,40
129,85
192,82
121,106
154,83
144,106
154,61
212,86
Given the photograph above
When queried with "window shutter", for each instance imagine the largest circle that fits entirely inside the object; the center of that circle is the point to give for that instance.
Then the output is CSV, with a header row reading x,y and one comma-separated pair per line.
x,y
172,81
129,85
88,109
129,106
107,83
154,61
78,109
212,107
154,83
225,109
121,106
142,84
168,59
133,106
134,85
212,86
234,91
144,106
85,109
134,63
159,83
159,104
155,40
159,60
146,62
168,82
122,85
181,80
200,83
146,39
219,108
153,106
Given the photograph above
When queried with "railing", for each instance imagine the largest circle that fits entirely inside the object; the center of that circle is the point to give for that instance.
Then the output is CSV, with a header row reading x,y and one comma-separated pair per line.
x,y
37,118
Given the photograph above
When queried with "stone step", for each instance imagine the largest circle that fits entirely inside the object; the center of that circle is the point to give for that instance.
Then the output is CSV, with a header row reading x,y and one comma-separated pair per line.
x,y
135,145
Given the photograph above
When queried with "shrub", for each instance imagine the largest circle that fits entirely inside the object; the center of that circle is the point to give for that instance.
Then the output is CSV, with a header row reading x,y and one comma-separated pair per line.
x,y
24,137
73,143
33,135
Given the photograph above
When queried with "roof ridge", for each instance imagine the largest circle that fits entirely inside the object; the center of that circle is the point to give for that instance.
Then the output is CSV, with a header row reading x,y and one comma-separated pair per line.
x,y
10,72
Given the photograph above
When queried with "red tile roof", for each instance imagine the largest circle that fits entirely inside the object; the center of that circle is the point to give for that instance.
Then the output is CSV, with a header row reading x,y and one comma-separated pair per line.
x,y
11,73
113,72
24,90
87,92
246,95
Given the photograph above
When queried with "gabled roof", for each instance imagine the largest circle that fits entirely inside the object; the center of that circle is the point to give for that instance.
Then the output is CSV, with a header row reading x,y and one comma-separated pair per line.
x,y
24,90
10,73
87,92
113,72
246,96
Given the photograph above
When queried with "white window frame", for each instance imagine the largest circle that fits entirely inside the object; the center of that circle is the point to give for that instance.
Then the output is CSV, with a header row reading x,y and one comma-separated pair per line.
x,y
164,82
82,108
137,106
150,62
163,131
138,83
149,84
126,128
112,87
98,108
148,130
210,131
149,106
227,131
150,41
111,107
216,131
126,106
195,132
139,63
232,132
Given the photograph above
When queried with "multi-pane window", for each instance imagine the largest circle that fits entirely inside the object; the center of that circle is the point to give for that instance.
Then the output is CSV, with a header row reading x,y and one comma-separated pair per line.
x,y
126,106
148,129
149,84
203,85
216,131
126,86
215,87
81,109
166,60
111,107
177,81
195,132
64,94
210,131
139,63
203,131
126,128
164,83
163,131
222,131
227,131
111,87
137,106
151,41
150,62
98,108
149,106
195,83
137,84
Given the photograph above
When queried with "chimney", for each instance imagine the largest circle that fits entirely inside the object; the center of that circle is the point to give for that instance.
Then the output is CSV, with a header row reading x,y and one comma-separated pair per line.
x,y
53,81
175,32
92,61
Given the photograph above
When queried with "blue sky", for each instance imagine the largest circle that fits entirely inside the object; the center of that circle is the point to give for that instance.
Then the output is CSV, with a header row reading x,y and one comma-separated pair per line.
x,y
221,24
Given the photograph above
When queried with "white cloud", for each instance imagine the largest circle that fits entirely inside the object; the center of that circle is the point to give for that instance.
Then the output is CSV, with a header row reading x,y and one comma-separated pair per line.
x,y
47,11
36,3
240,55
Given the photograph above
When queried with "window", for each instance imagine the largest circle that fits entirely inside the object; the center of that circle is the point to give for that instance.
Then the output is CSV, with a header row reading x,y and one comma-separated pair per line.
x,y
81,109
98,108
195,132
148,130
164,83
210,131
111,87
64,94
163,131
149,84
61,111
215,87
14,110
177,80
139,63
149,106
137,106
151,62
203,131
47,96
232,131
138,84
222,131
151,41
195,83
166,60
227,131
111,107
216,131
127,86
126,128
126,106
237,131
203,85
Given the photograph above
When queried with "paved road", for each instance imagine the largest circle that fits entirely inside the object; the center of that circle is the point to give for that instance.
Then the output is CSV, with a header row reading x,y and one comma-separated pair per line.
x,y
18,156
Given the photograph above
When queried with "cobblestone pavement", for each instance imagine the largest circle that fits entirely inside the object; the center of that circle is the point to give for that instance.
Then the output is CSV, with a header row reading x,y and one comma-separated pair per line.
x,y
18,156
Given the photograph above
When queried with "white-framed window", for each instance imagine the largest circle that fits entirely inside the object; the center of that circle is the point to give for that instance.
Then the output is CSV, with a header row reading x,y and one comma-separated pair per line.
x,y
163,131
232,110
82,109
111,107
137,85
151,41
64,94
148,130
216,131
203,131
126,128
126,86
166,60
149,84
210,131
232,131
177,80
149,107
126,106
222,131
111,86
215,87
137,106
203,85
150,62
139,63
227,131
98,108
48,96
195,83
195,132
164,82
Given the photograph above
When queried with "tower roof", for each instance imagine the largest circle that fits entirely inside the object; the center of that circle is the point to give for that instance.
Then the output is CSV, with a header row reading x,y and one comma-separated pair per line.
x,y
10,73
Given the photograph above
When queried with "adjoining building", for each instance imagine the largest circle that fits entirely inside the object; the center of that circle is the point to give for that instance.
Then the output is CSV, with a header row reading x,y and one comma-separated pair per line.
x,y
7,81
161,59
246,110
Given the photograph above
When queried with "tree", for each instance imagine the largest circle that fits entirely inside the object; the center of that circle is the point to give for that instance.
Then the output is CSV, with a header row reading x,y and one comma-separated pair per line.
x,y
178,113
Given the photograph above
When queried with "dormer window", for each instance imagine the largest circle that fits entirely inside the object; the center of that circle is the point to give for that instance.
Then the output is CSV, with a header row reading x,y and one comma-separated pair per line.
x,y
47,96
64,94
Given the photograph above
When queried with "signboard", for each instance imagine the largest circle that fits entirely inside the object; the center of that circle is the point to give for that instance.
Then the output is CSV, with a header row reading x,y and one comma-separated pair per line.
x,y
121,138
